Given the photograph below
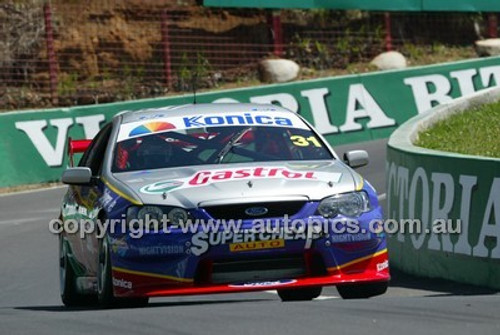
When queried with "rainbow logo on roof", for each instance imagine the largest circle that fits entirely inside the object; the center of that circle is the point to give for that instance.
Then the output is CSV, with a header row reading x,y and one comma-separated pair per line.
x,y
151,127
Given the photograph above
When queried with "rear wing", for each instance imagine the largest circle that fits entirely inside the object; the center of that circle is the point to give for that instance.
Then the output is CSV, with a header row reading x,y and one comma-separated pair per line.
x,y
76,147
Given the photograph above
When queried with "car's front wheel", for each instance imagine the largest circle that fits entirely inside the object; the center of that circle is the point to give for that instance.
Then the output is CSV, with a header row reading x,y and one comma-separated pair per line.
x,y
105,282
67,279
362,291
300,294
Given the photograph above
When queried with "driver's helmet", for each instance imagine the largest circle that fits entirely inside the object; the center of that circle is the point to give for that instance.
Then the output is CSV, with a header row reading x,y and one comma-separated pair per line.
x,y
154,152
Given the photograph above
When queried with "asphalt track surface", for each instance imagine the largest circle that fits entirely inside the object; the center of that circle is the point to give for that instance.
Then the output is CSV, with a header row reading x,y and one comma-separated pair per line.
x,y
30,303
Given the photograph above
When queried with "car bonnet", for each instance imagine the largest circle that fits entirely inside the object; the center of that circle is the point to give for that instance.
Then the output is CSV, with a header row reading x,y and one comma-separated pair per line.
x,y
196,186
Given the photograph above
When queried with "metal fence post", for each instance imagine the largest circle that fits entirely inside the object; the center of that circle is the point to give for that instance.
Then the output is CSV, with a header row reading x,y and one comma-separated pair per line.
x,y
493,25
167,64
51,54
388,32
277,34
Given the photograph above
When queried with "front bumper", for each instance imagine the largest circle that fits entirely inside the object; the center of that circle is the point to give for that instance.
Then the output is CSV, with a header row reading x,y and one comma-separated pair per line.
x,y
170,264
151,285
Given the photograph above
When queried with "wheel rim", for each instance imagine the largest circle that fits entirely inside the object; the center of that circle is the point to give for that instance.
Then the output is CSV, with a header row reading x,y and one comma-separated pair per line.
x,y
103,264
63,264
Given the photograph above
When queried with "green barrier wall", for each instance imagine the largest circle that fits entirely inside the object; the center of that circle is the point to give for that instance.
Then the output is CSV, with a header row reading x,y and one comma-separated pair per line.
x,y
430,185
379,5
345,109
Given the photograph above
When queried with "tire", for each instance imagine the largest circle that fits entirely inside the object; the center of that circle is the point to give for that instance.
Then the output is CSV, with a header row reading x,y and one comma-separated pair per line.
x,y
67,280
105,293
362,291
300,294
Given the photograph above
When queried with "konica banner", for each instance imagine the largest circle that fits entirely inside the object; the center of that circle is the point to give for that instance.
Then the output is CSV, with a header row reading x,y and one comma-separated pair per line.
x,y
344,109
379,5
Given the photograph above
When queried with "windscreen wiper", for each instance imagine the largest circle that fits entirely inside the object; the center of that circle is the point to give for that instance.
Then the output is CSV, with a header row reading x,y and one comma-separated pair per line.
x,y
230,145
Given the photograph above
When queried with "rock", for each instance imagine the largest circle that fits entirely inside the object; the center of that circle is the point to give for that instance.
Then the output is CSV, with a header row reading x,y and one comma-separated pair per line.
x,y
389,60
489,47
278,70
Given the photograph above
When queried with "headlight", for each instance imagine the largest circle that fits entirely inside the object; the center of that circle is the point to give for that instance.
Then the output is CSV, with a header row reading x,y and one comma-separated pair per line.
x,y
177,216
348,204
150,212
157,214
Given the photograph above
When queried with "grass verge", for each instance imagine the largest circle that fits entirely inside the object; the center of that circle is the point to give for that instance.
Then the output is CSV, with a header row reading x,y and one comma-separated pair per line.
x,y
473,132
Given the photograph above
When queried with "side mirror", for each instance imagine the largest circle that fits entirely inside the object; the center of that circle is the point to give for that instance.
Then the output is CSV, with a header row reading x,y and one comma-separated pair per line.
x,y
356,158
77,176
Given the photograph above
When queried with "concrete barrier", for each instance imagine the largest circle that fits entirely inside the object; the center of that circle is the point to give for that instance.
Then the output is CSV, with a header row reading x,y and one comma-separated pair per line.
x,y
444,190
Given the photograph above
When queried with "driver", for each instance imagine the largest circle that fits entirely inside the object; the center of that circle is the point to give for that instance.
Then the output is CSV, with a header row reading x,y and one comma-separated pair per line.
x,y
154,153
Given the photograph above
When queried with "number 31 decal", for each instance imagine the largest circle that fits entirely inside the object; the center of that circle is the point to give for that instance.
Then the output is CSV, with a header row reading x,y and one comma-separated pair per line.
x,y
302,141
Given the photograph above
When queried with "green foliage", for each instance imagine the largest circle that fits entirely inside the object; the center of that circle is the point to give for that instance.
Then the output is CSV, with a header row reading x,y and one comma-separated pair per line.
x,y
352,46
435,53
311,53
413,51
67,84
190,71
132,77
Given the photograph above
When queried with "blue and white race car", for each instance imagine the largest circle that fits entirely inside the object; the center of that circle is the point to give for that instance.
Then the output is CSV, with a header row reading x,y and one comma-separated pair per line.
x,y
215,198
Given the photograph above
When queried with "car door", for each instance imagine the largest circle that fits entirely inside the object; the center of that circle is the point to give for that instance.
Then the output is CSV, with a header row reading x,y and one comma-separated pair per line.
x,y
87,198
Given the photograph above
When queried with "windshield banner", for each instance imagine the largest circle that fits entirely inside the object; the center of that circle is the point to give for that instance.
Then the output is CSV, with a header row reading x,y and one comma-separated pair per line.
x,y
163,124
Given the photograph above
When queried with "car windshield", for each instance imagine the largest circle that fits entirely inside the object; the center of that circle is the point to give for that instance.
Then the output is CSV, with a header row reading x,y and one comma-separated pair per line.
x,y
216,145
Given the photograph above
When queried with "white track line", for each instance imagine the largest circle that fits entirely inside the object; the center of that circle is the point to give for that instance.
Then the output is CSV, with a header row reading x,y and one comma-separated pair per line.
x,y
33,191
16,222
321,297
326,297
382,196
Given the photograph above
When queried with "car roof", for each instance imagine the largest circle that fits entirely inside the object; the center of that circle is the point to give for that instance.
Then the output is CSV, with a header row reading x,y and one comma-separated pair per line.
x,y
197,109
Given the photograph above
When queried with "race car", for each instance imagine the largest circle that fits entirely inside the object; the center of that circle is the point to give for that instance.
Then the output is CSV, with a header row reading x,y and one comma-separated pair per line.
x,y
216,198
